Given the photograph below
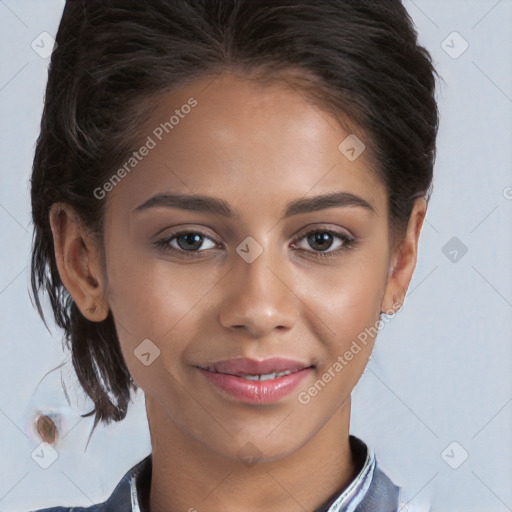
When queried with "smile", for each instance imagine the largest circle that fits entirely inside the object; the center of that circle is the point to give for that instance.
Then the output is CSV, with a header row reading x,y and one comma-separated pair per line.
x,y
240,380
256,376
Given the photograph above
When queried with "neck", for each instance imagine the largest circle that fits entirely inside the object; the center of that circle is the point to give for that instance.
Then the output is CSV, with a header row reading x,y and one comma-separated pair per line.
x,y
188,476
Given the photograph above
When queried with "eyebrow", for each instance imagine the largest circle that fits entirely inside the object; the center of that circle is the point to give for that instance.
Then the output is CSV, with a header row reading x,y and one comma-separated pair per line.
x,y
208,204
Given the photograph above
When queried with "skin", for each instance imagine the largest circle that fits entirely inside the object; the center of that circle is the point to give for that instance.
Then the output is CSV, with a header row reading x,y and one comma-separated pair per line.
x,y
241,143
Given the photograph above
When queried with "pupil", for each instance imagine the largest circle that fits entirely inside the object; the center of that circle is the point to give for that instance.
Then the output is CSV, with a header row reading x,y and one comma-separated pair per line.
x,y
324,240
190,238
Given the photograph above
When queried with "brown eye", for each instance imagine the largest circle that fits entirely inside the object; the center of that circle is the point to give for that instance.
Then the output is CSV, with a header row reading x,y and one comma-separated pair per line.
x,y
320,240
185,243
189,241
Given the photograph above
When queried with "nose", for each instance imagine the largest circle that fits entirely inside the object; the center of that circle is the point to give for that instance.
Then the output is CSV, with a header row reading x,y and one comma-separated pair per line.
x,y
259,298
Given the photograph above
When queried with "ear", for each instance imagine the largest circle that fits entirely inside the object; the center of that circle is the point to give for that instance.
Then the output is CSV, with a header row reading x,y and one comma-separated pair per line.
x,y
78,258
403,260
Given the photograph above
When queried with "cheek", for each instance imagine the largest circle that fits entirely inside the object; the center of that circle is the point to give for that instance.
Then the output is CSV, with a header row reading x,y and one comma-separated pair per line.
x,y
351,315
148,296
148,302
350,298
349,302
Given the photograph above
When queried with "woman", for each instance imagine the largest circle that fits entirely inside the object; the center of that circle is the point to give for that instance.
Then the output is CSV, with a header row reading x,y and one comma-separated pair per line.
x,y
227,195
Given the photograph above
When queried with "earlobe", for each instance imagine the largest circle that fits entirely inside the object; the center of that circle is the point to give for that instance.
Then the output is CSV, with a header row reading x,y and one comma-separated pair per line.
x,y
404,261
78,260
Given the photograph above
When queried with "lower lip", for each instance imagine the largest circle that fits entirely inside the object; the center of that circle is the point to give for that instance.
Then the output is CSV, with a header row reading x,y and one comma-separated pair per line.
x,y
257,391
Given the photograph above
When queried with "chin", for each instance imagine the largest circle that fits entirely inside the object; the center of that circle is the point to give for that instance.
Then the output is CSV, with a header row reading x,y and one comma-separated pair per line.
x,y
252,449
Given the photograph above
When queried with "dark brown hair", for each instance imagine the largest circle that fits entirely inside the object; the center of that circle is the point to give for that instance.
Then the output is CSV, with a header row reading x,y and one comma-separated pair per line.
x,y
361,59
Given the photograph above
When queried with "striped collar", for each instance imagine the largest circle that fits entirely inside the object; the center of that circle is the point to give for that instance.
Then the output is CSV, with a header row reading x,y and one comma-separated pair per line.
x,y
357,489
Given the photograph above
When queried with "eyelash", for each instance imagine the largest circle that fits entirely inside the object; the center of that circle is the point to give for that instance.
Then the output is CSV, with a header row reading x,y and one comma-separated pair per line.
x,y
348,243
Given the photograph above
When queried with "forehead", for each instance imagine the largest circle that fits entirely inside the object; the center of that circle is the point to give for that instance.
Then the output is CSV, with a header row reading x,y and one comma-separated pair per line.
x,y
254,144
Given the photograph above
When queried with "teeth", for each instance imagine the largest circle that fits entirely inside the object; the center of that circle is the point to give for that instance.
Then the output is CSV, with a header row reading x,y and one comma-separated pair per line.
x,y
265,376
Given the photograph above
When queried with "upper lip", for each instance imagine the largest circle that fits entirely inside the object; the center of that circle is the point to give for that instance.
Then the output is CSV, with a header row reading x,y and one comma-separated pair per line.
x,y
245,366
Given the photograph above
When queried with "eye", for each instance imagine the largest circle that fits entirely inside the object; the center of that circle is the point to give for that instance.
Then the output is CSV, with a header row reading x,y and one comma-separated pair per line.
x,y
191,243
185,243
322,241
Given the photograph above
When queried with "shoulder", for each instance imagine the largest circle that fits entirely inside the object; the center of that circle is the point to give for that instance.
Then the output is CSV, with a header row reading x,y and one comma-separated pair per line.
x,y
105,506
380,492
396,496
412,504
120,499
92,508
384,495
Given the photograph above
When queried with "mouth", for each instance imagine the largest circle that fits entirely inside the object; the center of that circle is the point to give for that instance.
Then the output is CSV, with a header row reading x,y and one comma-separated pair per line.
x,y
256,376
256,382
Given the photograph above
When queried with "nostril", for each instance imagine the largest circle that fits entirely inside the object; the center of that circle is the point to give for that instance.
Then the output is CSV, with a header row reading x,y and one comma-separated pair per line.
x,y
46,429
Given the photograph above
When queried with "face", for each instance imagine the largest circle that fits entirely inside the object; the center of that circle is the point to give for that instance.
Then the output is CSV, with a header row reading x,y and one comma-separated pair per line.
x,y
260,270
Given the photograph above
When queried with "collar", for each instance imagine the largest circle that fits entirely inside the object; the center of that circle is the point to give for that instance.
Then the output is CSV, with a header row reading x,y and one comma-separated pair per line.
x,y
356,490
369,487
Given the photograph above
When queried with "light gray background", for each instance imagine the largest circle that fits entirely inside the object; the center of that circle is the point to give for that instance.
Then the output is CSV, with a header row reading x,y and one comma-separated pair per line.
x,y
441,371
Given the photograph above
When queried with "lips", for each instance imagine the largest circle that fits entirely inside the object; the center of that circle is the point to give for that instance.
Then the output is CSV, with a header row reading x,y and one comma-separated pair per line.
x,y
244,366
256,382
